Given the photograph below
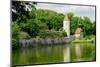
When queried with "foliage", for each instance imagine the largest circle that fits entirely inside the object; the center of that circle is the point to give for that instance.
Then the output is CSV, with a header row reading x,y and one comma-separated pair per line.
x,y
73,24
21,9
15,29
30,27
85,23
87,26
52,34
94,27
52,19
15,32
42,25
23,35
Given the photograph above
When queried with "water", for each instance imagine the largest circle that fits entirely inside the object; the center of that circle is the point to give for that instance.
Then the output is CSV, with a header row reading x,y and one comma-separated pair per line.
x,y
54,54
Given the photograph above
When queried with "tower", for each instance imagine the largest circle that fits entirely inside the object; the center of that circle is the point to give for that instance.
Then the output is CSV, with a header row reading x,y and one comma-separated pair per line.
x,y
66,25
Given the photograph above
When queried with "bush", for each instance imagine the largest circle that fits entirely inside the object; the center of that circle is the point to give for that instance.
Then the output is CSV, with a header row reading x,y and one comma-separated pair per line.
x,y
30,27
14,42
23,35
52,34
15,32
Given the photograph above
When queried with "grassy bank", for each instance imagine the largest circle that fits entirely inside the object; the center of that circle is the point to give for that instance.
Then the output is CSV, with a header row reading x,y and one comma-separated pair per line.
x,y
86,39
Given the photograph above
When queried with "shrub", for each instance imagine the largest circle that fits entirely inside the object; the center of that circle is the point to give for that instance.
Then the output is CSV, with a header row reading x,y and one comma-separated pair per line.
x,y
30,27
52,34
15,32
23,35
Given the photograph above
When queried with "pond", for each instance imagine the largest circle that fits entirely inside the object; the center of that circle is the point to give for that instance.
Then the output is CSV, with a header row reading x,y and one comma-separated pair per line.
x,y
74,52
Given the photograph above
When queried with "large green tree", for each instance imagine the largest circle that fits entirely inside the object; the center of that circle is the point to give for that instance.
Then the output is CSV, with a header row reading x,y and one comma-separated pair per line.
x,y
87,26
52,19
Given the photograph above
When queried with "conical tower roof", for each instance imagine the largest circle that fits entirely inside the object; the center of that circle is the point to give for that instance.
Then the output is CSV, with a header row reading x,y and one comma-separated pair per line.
x,y
66,18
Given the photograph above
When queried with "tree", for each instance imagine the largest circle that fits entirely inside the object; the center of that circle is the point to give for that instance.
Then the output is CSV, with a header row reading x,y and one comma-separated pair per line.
x,y
52,19
15,33
73,24
21,9
87,26
30,27
15,29
94,28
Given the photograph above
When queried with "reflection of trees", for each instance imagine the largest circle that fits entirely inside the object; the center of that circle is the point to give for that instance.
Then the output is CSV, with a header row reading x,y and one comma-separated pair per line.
x,y
82,52
43,54
50,54
78,51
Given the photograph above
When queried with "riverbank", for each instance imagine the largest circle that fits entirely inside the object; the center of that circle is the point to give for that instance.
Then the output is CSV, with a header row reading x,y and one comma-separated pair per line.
x,y
44,42
87,39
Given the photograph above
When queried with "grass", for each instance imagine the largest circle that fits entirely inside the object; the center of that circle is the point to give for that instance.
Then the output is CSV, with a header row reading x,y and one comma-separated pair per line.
x,y
86,39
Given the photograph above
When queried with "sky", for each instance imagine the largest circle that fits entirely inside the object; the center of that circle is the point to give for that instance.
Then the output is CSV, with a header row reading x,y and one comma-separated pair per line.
x,y
88,11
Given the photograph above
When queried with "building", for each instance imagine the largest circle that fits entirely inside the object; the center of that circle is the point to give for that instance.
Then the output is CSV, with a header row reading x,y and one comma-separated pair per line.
x,y
66,25
78,33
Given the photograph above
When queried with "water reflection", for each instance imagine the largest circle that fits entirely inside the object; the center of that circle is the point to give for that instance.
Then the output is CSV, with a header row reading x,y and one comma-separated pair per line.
x,y
82,52
66,50
78,52
54,54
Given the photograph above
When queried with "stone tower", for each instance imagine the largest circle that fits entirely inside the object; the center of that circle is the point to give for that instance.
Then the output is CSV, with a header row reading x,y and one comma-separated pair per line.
x,y
66,25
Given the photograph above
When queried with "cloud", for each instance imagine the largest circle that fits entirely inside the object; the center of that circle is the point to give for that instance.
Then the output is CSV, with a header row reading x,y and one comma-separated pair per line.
x,y
88,11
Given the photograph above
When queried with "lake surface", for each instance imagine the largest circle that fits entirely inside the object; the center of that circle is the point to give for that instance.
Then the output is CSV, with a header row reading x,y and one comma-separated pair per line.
x,y
74,52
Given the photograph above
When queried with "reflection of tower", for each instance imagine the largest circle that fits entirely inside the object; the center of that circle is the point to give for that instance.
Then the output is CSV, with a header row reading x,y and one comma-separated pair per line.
x,y
67,56
66,25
